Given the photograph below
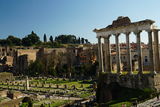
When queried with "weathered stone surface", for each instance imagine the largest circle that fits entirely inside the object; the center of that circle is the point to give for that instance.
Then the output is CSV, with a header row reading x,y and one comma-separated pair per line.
x,y
107,82
6,76
121,21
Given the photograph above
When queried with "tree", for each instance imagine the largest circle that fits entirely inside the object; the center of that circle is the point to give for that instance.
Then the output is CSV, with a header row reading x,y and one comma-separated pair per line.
x,y
27,101
70,61
45,38
35,68
26,41
3,42
31,39
66,39
82,40
86,40
51,39
12,40
79,40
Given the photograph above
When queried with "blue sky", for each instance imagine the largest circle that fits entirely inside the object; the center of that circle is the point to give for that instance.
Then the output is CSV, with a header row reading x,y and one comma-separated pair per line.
x,y
78,17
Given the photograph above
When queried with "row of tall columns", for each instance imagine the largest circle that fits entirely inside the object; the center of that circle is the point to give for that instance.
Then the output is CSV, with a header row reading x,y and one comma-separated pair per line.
x,y
107,64
156,50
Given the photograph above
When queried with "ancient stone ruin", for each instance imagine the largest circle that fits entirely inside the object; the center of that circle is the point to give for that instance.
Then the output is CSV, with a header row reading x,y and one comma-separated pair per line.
x,y
130,80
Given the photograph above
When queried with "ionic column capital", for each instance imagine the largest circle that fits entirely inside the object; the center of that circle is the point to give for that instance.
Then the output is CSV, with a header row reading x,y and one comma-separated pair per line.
x,y
149,31
99,37
155,30
117,34
137,32
107,37
127,33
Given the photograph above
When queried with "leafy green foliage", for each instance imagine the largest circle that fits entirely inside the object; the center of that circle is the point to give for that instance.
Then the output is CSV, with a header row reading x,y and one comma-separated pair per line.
x,y
14,40
27,102
30,40
121,104
70,39
10,41
34,40
51,39
35,68
24,104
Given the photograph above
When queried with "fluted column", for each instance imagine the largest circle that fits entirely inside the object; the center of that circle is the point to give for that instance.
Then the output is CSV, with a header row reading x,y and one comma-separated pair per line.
x,y
118,58
100,51
107,54
156,51
139,51
129,59
150,46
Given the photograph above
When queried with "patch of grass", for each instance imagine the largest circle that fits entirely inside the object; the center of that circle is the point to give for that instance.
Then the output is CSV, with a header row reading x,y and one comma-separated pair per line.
x,y
66,82
24,105
85,95
52,103
127,104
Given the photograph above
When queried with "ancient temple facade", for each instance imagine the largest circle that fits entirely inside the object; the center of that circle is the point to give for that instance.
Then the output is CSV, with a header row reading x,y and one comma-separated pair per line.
x,y
123,25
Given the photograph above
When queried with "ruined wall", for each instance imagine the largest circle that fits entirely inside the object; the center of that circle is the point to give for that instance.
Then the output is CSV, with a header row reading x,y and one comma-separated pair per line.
x,y
109,85
6,76
157,82
31,53
132,81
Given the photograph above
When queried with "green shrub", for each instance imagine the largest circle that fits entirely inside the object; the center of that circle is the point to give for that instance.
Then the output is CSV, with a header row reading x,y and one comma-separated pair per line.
x,y
24,105
128,104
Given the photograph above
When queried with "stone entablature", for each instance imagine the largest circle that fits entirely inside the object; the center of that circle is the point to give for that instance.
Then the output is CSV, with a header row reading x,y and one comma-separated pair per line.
x,y
125,28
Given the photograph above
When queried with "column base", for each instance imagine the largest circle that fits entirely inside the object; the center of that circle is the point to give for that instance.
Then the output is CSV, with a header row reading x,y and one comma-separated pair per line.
x,y
153,72
129,72
120,72
140,73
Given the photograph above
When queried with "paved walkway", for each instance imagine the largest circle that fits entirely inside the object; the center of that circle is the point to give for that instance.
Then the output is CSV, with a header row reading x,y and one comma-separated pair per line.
x,y
150,103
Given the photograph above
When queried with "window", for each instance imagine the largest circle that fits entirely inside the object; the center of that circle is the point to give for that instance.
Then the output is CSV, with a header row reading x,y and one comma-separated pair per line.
x,y
146,59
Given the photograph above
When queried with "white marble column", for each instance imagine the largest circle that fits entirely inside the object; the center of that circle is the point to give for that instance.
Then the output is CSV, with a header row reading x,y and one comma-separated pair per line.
x,y
139,51
107,54
150,46
118,58
100,51
129,59
156,50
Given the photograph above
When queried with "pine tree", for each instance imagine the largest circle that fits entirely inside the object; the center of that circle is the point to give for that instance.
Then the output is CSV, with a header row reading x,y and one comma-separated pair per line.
x,y
45,38
51,39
